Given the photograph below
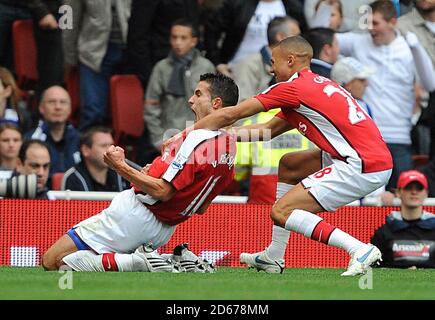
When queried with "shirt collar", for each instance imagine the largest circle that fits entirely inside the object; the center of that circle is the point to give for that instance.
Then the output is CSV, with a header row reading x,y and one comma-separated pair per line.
x,y
296,74
321,63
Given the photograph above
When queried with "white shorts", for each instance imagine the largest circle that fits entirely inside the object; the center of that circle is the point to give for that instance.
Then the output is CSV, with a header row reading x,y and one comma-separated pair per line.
x,y
339,183
123,226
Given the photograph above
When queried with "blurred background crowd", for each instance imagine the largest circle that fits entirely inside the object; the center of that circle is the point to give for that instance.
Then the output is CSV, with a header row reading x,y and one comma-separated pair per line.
x,y
79,75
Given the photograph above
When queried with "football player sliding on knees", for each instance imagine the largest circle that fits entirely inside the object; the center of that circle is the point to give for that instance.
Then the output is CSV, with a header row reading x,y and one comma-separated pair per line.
x,y
180,183
351,162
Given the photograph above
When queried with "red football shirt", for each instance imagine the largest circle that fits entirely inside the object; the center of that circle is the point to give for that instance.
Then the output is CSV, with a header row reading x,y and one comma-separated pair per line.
x,y
331,118
208,170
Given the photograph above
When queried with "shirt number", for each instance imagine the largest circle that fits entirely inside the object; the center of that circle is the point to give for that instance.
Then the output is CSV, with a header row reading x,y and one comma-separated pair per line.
x,y
354,116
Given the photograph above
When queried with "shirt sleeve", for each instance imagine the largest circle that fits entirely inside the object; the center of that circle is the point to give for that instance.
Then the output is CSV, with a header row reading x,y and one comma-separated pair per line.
x,y
281,95
346,42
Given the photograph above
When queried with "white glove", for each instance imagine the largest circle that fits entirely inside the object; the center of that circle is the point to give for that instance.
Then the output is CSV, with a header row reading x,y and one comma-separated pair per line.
x,y
412,39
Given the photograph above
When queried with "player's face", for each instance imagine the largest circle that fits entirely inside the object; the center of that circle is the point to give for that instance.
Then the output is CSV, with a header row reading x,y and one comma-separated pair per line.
x,y
38,162
10,143
201,101
101,141
357,87
181,40
56,105
280,65
382,31
413,195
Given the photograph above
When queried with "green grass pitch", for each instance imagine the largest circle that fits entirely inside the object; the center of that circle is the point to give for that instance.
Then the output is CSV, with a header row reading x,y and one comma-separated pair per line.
x,y
225,284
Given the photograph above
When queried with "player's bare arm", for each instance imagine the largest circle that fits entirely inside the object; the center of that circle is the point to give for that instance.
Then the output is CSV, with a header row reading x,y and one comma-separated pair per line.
x,y
157,188
262,131
227,116
220,119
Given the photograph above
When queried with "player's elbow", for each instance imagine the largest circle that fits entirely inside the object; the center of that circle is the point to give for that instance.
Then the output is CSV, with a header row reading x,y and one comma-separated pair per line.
x,y
164,193
162,196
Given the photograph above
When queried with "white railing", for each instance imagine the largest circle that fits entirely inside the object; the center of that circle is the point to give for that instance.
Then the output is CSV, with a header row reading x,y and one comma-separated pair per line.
x,y
107,196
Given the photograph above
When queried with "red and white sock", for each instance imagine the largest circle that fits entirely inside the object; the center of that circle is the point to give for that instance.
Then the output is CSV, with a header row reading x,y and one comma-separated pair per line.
x,y
280,236
314,227
86,260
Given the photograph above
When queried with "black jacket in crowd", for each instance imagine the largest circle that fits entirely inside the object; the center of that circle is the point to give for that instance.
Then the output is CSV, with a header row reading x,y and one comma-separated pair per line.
x,y
232,19
78,178
405,243
149,29
38,8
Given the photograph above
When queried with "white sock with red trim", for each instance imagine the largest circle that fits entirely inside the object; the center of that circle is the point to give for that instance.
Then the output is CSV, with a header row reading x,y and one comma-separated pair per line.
x,y
312,226
343,240
280,236
86,260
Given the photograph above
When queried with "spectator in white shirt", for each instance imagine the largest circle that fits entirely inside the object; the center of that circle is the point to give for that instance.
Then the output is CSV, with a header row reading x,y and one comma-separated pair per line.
x,y
390,92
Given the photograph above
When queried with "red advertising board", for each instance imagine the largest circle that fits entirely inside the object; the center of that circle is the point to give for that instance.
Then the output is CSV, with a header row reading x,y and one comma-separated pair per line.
x,y
29,227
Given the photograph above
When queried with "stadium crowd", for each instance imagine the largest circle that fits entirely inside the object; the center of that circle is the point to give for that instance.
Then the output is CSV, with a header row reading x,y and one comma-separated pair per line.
x,y
386,60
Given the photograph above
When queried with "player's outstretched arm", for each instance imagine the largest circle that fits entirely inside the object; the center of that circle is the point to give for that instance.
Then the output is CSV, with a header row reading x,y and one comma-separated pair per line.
x,y
155,187
227,116
262,131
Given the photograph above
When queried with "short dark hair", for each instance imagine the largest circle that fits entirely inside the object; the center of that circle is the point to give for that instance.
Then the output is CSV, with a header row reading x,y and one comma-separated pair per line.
x,y
27,144
384,7
223,87
277,24
187,23
86,137
318,38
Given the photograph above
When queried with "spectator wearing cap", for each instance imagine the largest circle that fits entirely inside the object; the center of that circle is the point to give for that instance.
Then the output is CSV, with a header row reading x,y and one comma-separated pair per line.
x,y
407,239
353,76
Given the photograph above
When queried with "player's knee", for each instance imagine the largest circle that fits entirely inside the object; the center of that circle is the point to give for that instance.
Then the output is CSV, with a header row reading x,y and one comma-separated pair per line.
x,y
49,262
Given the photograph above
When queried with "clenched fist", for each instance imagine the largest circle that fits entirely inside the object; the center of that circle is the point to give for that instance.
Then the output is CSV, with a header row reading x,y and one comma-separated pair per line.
x,y
114,157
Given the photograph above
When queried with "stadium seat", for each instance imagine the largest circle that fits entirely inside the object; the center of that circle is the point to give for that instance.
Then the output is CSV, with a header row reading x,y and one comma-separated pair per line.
x,y
56,181
24,54
262,189
127,103
419,160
